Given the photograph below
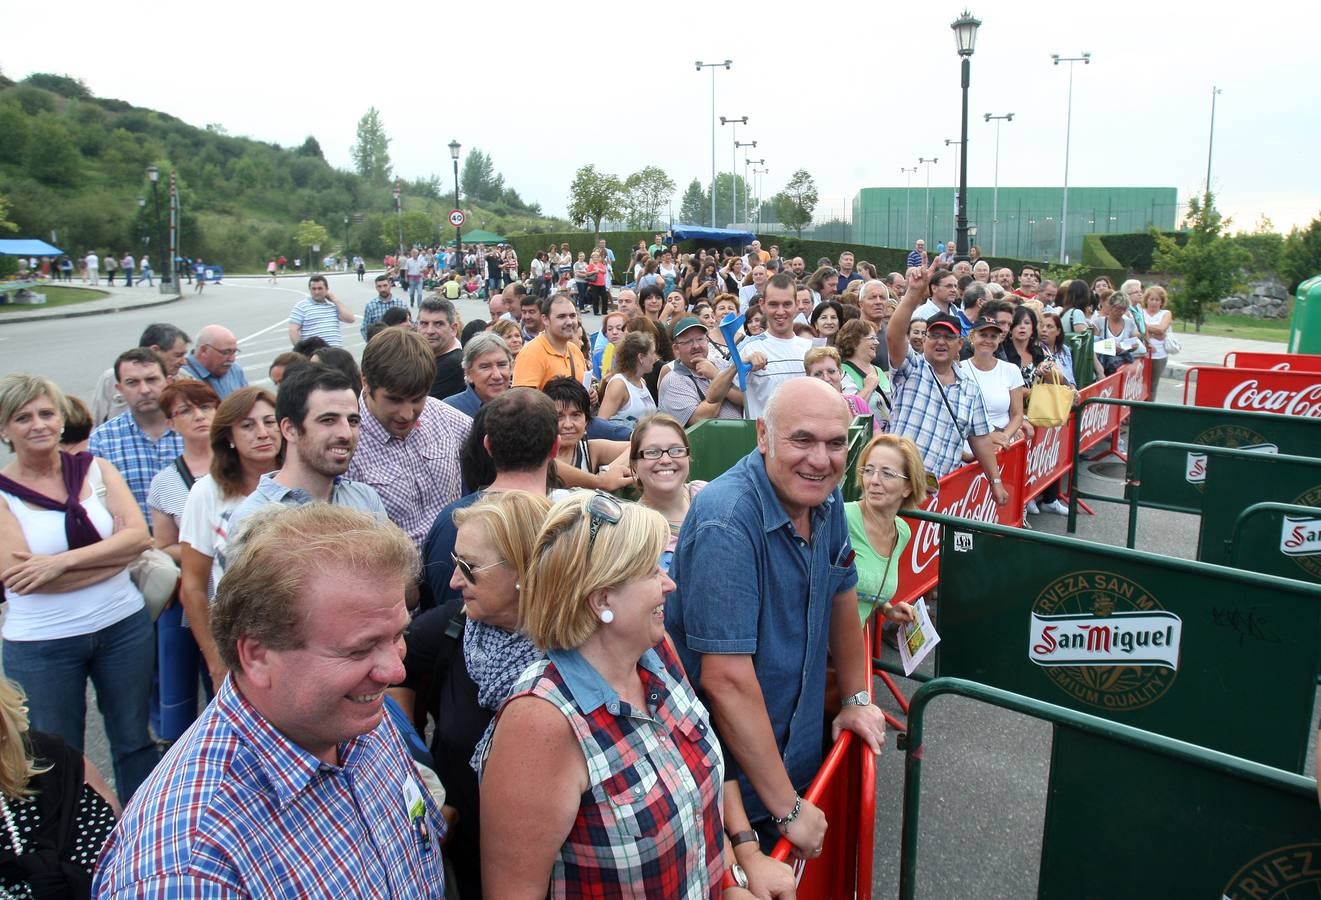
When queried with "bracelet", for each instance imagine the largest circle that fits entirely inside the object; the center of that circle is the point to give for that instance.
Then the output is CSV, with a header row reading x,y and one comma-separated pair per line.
x,y
793,813
995,481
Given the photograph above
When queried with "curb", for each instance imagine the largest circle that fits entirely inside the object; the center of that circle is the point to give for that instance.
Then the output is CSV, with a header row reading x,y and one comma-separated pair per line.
x,y
14,319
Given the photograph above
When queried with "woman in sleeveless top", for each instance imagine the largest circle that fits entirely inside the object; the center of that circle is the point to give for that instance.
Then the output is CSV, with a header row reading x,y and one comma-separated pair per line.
x,y
581,462
604,776
69,526
626,398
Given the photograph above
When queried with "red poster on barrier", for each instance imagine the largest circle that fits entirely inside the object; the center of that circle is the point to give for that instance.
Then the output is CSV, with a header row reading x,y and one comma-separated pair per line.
x,y
1256,390
1100,420
967,494
1137,383
1293,362
1049,457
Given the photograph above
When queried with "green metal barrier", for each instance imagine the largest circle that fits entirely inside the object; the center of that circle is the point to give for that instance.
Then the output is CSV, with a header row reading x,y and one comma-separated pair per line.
x,y
1081,348
1135,814
1173,646
1281,539
860,434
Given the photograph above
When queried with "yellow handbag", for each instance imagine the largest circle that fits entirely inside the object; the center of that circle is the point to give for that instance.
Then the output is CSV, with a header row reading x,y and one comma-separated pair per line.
x,y
1050,401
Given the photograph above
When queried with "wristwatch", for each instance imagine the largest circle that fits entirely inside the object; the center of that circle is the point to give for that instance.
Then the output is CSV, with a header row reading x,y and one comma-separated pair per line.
x,y
861,698
734,877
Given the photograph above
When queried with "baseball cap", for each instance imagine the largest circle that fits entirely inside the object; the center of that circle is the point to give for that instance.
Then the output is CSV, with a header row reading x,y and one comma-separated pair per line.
x,y
985,322
685,324
944,320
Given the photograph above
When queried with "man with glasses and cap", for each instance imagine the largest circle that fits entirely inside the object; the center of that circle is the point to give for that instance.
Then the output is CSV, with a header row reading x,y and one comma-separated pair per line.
x,y
934,406
698,388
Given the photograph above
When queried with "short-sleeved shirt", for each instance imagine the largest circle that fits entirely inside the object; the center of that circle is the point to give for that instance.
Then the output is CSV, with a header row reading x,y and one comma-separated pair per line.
x,y
346,493
749,585
205,525
995,387
223,385
122,442
317,320
539,362
417,476
375,311
784,361
878,576
168,493
922,416
684,390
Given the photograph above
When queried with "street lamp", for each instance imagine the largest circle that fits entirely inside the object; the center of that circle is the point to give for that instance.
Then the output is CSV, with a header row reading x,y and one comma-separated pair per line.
x,y
458,229
1086,60
737,145
1210,141
995,193
713,66
908,173
922,160
154,175
733,169
965,38
747,185
756,175
399,213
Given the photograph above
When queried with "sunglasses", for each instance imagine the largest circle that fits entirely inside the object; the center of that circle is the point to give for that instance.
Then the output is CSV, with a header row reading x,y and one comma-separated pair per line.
x,y
466,568
602,509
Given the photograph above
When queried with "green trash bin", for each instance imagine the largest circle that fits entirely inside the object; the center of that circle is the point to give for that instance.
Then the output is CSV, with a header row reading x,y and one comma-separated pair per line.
x,y
1305,326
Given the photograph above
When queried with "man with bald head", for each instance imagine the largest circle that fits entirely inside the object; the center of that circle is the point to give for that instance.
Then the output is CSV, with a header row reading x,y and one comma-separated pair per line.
x,y
215,360
756,639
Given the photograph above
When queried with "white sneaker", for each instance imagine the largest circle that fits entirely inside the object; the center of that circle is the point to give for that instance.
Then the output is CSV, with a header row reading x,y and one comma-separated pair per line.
x,y
1058,507
1032,508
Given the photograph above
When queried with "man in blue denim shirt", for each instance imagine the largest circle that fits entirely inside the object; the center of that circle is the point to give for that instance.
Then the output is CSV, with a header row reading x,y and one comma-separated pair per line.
x,y
765,587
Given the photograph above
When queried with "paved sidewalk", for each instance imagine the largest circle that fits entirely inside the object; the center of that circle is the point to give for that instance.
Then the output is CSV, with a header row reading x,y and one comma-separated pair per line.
x,y
120,299
1207,350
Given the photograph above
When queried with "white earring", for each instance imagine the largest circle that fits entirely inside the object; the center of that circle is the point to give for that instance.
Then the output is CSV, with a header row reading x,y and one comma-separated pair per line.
x,y
517,586
607,616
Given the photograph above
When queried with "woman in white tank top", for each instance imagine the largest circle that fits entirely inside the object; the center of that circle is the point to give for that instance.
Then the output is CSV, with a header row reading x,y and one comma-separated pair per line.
x,y
73,613
626,398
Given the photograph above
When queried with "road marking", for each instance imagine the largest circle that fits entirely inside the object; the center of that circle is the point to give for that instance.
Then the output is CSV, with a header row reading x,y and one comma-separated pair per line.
x,y
244,340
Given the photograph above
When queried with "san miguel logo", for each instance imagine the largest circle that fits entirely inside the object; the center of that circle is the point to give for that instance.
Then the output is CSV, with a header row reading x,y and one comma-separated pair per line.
x,y
1234,437
1104,640
1300,536
1280,874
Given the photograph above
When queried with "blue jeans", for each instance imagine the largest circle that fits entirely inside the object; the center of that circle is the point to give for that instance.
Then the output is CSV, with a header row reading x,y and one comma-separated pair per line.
x,y
414,291
119,659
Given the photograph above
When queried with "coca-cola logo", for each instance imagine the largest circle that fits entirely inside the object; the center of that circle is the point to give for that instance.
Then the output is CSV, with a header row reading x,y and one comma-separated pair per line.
x,y
975,503
1096,417
1135,382
1044,455
1251,396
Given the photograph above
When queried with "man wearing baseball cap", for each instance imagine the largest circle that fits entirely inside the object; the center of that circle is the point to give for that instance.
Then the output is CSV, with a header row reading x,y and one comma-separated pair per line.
x,y
933,405
698,388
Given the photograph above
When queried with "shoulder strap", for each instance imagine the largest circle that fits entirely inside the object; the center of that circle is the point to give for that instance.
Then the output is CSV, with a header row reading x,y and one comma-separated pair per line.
x,y
451,641
182,468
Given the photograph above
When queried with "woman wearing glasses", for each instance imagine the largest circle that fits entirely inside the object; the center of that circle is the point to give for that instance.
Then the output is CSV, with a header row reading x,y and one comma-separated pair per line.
x,y
891,478
659,453
604,775
189,406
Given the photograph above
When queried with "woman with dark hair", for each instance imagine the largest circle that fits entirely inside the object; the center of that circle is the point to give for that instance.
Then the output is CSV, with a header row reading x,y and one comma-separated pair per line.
x,y
341,359
189,407
824,283
626,398
700,282
1060,357
826,320
1021,346
77,425
245,444
582,462
1076,299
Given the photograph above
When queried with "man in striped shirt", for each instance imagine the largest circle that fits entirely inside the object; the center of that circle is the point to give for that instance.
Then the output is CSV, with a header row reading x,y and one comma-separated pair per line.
x,y
294,782
319,314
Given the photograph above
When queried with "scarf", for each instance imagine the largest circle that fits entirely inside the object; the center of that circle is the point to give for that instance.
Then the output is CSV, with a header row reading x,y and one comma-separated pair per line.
x,y
78,528
495,659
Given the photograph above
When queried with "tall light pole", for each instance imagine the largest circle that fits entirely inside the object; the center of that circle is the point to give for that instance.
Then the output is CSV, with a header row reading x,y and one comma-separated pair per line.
x,y
995,192
346,242
1086,60
965,40
756,176
737,145
922,160
713,66
908,202
154,175
1210,140
733,168
747,185
172,270
458,229
957,144
399,213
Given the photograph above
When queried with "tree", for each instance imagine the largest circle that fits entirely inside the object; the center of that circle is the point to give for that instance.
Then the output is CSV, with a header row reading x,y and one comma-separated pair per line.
x,y
794,204
479,179
371,154
1302,254
64,85
1206,266
644,193
728,184
1264,246
415,226
311,148
594,196
52,157
695,208
5,206
311,235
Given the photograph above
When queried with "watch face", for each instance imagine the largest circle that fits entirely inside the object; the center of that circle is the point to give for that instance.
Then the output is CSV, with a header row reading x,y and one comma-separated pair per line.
x,y
739,875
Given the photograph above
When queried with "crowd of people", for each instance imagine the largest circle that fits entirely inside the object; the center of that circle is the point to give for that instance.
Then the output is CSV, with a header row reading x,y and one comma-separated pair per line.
x,y
595,698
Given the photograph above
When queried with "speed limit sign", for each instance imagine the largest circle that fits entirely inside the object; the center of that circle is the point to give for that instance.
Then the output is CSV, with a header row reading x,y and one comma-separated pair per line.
x,y
457,217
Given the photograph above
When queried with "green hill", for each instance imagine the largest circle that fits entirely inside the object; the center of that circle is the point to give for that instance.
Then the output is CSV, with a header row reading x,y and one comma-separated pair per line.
x,y
75,164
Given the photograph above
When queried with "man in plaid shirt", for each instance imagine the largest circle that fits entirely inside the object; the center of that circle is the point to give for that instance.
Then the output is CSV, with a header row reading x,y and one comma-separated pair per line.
x,y
294,782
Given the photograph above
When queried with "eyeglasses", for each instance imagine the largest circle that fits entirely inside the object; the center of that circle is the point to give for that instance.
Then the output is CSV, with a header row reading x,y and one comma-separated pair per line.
x,y
885,472
234,352
692,341
466,568
603,509
676,452
188,412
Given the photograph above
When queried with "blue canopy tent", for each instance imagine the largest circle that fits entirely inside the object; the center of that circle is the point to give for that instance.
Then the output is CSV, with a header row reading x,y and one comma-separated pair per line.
x,y
28,247
730,236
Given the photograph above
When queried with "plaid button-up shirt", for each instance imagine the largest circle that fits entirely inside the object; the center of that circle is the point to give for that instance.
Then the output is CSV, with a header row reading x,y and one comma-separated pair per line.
x,y
237,810
419,475
122,442
649,824
922,416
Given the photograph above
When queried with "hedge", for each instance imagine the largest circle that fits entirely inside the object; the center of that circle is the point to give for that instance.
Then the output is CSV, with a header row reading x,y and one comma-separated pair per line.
x,y
1132,252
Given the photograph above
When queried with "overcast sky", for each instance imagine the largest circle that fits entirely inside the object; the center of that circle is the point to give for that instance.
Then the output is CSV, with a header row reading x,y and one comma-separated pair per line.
x,y
851,95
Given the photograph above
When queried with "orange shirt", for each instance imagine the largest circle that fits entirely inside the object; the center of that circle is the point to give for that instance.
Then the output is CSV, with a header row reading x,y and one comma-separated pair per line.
x,y
538,362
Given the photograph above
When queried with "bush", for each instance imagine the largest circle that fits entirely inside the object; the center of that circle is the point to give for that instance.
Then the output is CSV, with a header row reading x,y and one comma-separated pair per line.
x,y
1133,252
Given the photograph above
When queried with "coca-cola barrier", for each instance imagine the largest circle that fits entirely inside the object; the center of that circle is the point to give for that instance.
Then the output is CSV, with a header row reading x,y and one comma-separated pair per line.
x,y
1296,362
1282,391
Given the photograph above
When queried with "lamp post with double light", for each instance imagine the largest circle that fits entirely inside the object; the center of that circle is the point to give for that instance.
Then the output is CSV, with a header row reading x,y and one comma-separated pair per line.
x,y
458,229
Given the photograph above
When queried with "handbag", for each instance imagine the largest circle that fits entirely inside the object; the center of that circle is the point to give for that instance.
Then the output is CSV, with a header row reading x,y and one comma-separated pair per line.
x,y
1050,401
1172,344
156,576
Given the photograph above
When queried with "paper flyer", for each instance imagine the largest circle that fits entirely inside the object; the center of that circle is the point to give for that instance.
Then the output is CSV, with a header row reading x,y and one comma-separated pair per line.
x,y
729,327
917,639
1105,347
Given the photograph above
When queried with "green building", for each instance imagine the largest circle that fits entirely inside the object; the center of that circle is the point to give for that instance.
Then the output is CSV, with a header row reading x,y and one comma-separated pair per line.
x,y
1028,225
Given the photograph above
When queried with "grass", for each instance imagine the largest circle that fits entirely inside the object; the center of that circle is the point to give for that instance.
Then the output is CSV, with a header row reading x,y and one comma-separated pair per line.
x,y
1241,327
55,296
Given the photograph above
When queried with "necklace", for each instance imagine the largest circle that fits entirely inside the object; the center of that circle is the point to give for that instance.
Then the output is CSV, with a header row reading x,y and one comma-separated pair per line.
x,y
11,827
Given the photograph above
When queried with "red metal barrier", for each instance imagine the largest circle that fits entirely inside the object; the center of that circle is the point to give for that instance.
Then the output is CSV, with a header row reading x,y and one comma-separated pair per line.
x,y
845,790
1293,362
1291,393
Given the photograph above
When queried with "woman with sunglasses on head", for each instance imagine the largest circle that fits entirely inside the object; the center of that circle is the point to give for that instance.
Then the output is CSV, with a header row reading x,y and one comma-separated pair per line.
x,y
604,770
891,478
660,456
